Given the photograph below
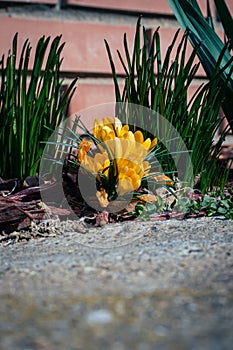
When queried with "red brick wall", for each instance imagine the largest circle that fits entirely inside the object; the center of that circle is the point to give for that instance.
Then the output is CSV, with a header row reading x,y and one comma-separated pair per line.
x,y
84,53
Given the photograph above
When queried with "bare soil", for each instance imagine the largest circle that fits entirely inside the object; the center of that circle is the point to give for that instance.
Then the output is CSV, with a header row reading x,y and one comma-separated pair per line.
x,y
134,285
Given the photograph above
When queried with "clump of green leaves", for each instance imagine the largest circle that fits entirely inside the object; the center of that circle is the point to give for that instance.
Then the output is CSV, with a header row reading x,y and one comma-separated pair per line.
x,y
32,104
145,210
216,203
213,204
162,84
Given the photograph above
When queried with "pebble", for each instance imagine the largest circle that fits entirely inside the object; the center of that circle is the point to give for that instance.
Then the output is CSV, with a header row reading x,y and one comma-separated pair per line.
x,y
99,317
89,269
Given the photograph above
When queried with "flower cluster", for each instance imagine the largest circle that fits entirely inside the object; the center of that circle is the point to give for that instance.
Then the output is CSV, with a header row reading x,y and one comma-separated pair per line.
x,y
119,163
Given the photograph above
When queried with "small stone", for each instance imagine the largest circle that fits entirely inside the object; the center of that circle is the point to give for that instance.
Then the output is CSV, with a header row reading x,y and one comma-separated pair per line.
x,y
99,317
119,257
89,269
141,273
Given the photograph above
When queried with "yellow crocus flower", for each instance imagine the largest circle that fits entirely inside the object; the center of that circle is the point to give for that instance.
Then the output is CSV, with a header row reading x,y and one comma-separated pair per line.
x,y
121,148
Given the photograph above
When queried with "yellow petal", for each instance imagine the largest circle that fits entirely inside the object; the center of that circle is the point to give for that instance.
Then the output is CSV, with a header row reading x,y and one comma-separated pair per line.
x,y
118,126
124,131
147,144
136,181
99,160
154,142
83,149
138,136
102,198
129,136
124,186
117,148
88,163
103,129
148,198
163,179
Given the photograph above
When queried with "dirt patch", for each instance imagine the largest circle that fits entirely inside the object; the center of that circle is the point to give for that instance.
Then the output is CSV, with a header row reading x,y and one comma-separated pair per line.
x,y
170,286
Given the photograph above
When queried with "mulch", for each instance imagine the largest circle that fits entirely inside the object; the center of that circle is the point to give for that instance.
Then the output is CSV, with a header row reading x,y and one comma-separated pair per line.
x,y
21,205
23,215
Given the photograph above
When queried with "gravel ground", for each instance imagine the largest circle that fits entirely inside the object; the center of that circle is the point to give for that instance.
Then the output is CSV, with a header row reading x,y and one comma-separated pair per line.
x,y
138,285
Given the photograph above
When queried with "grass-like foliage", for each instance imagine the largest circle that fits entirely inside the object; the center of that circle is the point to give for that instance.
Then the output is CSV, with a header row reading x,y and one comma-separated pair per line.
x,y
161,84
213,51
32,104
